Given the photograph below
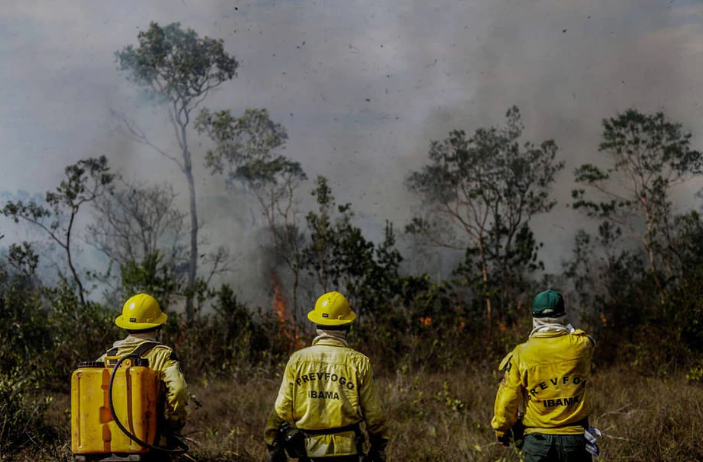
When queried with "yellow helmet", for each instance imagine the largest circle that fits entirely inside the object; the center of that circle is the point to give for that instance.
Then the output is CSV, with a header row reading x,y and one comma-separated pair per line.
x,y
141,312
332,309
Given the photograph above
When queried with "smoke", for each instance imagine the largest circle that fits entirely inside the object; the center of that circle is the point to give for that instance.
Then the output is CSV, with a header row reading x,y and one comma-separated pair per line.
x,y
362,88
567,65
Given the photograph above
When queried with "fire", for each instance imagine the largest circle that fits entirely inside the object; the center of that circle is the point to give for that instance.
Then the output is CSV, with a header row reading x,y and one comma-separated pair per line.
x,y
287,327
280,305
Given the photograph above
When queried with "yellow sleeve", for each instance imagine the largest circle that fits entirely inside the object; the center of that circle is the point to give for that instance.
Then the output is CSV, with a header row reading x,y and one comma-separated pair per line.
x,y
283,408
176,409
284,400
371,406
508,397
273,423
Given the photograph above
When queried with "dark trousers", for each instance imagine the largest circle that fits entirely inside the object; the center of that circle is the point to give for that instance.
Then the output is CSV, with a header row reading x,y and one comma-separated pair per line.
x,y
332,459
149,457
555,448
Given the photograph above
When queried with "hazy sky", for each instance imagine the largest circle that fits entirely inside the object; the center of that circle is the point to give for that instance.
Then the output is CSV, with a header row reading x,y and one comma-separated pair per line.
x,y
362,86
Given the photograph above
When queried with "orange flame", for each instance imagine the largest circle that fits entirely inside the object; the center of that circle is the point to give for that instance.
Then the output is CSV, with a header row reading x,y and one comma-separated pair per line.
x,y
279,303
286,326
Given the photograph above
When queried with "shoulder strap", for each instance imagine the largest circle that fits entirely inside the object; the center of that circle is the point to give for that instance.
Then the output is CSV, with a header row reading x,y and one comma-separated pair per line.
x,y
144,348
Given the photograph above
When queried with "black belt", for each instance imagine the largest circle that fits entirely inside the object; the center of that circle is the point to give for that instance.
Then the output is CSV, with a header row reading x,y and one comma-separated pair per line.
x,y
331,431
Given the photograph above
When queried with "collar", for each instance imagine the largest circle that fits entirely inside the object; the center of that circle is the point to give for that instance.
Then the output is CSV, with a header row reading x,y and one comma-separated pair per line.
x,y
135,339
550,334
558,324
143,336
329,341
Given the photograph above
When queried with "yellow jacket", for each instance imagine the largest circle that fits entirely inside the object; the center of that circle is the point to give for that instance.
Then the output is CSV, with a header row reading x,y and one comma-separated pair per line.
x,y
327,386
163,361
549,374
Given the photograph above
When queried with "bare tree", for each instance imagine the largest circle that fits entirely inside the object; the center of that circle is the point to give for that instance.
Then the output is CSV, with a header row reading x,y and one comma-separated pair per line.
x,y
177,69
86,181
137,222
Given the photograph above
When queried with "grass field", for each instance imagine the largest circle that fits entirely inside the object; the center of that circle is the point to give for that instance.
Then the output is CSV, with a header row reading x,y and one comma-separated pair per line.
x,y
441,417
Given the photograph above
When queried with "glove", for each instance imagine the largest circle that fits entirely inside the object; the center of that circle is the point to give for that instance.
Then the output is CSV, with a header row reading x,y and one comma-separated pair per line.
x,y
277,454
591,441
174,440
503,440
377,451
375,454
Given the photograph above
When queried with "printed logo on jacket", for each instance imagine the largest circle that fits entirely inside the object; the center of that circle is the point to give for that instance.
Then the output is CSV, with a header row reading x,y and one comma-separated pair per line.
x,y
324,379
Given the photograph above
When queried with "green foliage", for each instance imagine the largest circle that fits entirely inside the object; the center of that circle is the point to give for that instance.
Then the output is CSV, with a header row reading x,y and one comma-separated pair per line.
x,y
154,275
22,427
688,240
228,342
175,64
245,142
79,332
339,256
24,328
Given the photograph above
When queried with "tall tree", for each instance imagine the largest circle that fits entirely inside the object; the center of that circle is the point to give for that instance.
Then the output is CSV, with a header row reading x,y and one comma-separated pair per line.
x,y
648,155
245,152
86,181
178,69
488,186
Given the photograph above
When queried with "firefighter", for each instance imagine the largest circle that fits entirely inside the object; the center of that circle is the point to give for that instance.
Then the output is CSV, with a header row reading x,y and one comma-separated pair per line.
x,y
326,392
549,376
142,318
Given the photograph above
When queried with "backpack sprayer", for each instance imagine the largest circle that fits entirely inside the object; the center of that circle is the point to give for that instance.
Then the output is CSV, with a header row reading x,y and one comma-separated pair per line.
x,y
107,395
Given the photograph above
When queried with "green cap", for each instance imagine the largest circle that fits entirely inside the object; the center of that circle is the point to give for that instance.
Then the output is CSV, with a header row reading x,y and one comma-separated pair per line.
x,y
548,304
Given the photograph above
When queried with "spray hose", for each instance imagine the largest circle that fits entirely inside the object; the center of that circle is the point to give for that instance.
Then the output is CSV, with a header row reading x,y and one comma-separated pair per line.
x,y
181,450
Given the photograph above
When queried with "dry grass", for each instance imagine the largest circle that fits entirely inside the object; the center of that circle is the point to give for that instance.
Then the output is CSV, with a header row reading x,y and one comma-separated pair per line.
x,y
445,417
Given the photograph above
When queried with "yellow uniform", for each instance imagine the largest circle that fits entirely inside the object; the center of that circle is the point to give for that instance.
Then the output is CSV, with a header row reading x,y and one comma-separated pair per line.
x,y
549,373
328,386
168,371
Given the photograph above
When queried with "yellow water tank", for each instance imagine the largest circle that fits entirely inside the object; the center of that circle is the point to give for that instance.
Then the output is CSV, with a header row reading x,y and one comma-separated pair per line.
x,y
134,395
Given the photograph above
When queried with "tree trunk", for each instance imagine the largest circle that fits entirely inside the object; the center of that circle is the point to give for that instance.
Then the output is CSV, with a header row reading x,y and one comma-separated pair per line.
x,y
70,259
193,264
295,297
649,246
484,271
